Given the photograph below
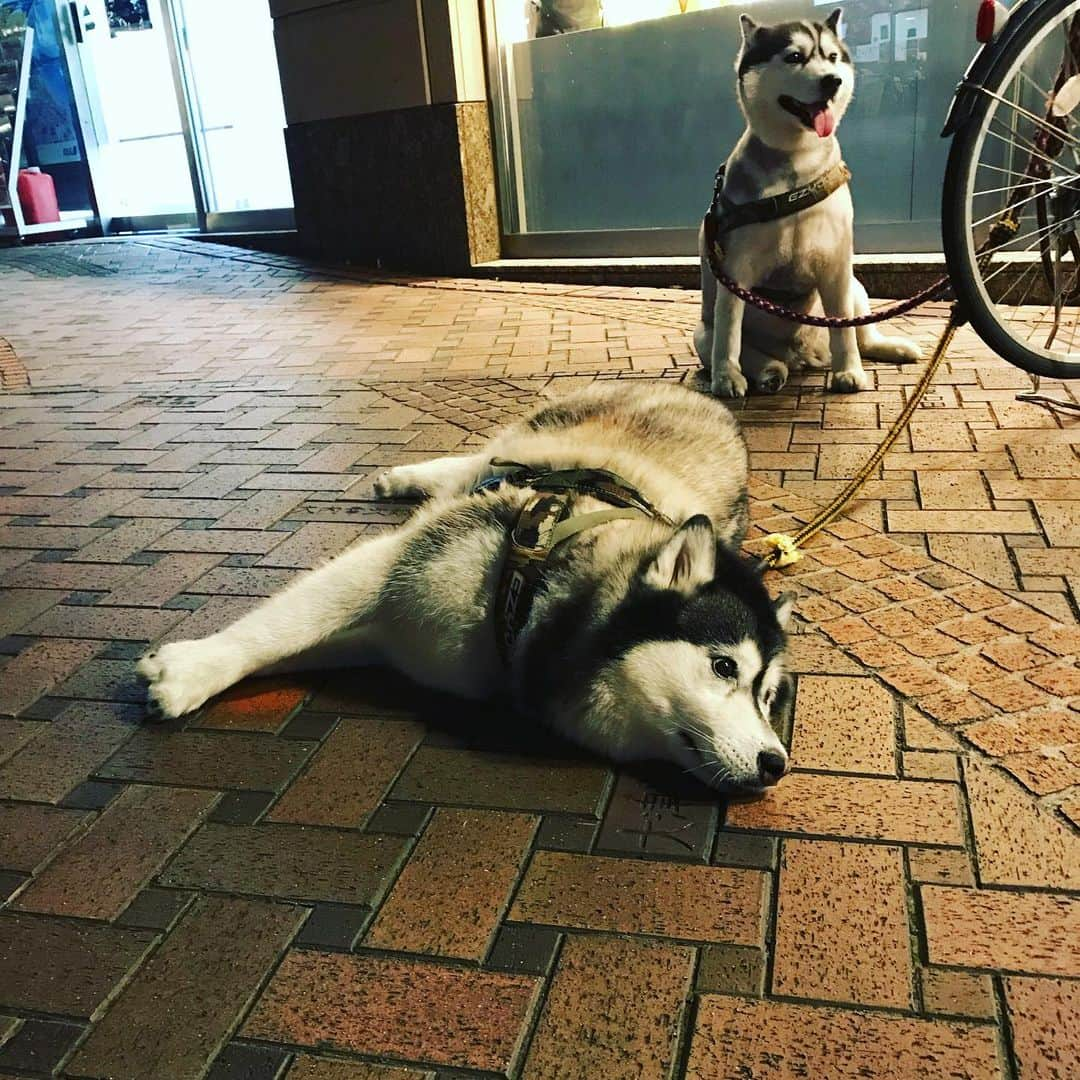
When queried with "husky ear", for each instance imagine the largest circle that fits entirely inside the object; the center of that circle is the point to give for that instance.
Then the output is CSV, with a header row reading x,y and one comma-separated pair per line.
x,y
748,27
833,21
688,560
784,605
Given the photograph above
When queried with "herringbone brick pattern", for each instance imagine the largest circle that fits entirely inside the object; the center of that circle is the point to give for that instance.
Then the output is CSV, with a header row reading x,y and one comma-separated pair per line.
x,y
343,878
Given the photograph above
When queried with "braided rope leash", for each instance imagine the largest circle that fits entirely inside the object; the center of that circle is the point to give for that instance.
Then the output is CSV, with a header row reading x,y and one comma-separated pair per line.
x,y
784,549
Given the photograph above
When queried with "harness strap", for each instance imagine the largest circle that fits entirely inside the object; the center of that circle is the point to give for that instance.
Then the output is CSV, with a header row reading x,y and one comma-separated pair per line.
x,y
543,523
731,215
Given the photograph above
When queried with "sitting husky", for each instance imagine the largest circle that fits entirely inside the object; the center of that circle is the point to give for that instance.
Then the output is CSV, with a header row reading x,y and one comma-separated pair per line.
x,y
794,82
646,639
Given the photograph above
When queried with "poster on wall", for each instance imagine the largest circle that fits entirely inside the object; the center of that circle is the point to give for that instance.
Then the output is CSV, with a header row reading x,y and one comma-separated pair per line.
x,y
128,15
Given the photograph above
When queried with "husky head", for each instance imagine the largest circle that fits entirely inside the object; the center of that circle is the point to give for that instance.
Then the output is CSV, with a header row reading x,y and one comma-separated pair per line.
x,y
795,80
699,664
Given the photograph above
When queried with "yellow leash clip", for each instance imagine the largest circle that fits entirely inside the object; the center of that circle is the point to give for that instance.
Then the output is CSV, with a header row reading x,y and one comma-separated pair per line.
x,y
784,550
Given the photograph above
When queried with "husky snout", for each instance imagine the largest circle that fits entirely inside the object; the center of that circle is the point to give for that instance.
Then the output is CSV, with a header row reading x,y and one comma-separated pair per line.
x,y
830,84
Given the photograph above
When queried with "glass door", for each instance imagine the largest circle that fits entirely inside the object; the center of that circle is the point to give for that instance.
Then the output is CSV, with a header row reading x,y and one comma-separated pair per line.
x,y
237,113
119,51
182,112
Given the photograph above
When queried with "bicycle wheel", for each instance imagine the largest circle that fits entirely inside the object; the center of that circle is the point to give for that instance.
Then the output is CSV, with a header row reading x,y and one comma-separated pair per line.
x,y
1016,161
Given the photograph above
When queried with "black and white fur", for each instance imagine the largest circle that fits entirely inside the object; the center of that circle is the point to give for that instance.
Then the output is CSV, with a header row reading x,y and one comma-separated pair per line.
x,y
645,642
788,74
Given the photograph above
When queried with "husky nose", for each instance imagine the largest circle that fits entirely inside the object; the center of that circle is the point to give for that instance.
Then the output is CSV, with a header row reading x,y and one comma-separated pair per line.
x,y
829,85
771,766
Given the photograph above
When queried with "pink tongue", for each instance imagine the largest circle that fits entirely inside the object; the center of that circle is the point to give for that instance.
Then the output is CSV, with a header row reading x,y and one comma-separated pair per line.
x,y
823,122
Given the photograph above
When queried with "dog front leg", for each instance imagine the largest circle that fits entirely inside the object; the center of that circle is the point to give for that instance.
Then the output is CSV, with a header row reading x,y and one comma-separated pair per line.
x,y
436,478
837,300
341,594
726,375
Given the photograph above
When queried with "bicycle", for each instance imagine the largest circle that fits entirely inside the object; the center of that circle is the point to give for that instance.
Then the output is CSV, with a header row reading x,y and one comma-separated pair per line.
x,y
1011,199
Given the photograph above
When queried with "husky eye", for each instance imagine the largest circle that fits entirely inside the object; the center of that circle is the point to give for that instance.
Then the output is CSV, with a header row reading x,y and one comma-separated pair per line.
x,y
833,57
725,668
768,697
793,58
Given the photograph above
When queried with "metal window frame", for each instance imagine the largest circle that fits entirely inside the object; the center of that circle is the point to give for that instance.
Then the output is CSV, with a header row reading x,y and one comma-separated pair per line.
x,y
922,235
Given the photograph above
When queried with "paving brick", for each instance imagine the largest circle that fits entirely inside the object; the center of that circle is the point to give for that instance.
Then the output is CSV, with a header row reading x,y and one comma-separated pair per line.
x,y
844,725
220,952
452,892
694,903
1033,933
38,668
596,1023
254,705
231,759
23,605
959,707
376,1005
110,623
731,969
38,1046
843,1044
14,734
1044,1015
524,949
155,909
218,541
312,544
306,1067
104,680
125,540
1015,654
474,779
1018,842
922,765
1046,772
946,866
1008,735
62,965
51,764
155,585
1011,695
842,932
96,876
29,833
670,820
902,811
349,774
247,1061
287,861
1062,679
958,993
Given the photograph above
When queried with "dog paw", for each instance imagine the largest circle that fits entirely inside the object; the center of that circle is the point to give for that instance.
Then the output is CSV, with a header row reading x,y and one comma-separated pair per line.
x,y
183,674
729,384
850,382
772,377
397,483
896,350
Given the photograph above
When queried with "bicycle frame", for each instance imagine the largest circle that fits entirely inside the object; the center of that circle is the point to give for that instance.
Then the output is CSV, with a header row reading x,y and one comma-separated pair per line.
x,y
981,64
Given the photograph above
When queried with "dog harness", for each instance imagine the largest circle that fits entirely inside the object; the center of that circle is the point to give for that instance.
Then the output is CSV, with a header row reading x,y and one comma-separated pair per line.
x,y
543,523
724,215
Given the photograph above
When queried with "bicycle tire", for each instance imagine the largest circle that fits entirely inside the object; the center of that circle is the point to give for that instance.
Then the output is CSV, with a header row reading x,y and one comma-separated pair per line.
x,y
957,235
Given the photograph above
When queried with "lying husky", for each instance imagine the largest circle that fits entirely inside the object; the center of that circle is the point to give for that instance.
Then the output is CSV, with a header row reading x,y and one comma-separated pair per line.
x,y
794,82
646,639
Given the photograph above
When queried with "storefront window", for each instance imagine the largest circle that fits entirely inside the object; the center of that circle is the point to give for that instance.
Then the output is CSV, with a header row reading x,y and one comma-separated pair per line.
x,y
612,117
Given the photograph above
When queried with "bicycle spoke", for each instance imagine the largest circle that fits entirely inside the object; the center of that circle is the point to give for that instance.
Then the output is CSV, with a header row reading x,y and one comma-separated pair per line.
x,y
1033,150
1063,135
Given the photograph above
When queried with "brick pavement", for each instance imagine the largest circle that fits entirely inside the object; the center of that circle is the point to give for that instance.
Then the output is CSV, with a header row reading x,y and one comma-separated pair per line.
x,y
344,878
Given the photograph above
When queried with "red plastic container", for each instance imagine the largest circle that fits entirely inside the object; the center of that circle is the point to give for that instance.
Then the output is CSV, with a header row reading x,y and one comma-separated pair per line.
x,y
37,195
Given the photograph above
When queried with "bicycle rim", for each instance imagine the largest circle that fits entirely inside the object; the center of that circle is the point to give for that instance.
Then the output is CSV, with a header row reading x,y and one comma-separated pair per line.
x,y
1016,160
